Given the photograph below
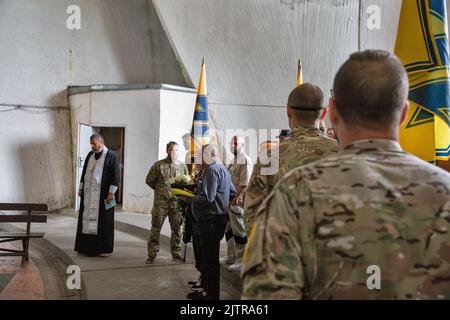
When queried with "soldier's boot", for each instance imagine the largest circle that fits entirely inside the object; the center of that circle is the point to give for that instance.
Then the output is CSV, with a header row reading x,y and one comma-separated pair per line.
x,y
153,239
150,260
176,249
175,238
152,251
177,256
237,265
230,257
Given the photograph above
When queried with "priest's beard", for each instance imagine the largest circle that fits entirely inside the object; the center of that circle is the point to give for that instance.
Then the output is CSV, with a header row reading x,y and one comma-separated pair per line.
x,y
97,153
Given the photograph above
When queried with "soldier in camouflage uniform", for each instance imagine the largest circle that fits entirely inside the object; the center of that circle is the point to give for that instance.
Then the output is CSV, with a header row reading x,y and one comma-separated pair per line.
x,y
307,143
370,223
164,203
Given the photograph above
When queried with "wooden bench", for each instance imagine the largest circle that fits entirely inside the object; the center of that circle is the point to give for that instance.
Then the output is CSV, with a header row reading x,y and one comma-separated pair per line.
x,y
27,218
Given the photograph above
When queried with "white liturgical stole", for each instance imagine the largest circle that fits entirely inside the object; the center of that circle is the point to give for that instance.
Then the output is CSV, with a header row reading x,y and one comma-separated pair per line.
x,y
92,189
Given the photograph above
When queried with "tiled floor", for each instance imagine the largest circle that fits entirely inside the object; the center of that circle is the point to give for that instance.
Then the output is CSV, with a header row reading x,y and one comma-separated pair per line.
x,y
19,282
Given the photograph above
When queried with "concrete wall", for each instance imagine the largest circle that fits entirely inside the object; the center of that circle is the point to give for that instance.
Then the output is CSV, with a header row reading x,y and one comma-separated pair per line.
x,y
177,110
120,41
35,162
147,116
252,48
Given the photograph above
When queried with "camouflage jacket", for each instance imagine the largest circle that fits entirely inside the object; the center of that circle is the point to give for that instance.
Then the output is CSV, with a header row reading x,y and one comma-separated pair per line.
x,y
158,179
327,224
307,144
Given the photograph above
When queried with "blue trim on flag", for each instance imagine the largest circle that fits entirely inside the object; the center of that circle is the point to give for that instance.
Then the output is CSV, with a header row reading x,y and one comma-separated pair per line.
x,y
442,45
437,8
420,117
443,152
198,131
427,37
200,126
201,115
433,97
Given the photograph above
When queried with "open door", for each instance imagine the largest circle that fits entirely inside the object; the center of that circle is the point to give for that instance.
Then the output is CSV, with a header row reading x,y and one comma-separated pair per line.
x,y
84,147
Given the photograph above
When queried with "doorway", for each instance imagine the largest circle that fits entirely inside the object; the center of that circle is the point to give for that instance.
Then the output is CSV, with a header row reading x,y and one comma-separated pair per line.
x,y
114,141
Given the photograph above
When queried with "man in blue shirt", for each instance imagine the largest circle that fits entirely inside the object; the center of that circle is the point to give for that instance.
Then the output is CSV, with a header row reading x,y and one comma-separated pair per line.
x,y
210,209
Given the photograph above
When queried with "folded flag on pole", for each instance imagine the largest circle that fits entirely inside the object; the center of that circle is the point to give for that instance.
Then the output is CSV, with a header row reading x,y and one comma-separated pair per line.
x,y
423,46
200,127
299,74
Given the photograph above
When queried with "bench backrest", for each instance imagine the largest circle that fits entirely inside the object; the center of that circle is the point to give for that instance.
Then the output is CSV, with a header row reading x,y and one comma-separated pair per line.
x,y
23,207
31,216
12,218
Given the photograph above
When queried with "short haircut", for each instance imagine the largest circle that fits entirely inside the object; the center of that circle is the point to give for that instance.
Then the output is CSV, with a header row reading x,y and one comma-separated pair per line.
x,y
98,137
307,102
370,89
171,143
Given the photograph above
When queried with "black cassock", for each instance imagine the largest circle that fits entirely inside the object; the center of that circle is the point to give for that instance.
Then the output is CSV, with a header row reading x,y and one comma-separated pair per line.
x,y
103,241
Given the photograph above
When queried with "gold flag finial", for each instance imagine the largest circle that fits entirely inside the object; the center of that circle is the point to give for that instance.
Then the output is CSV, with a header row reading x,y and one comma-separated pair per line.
x,y
299,73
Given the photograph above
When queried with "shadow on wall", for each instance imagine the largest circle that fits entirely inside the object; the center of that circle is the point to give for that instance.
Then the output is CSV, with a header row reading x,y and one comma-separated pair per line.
x,y
164,64
35,159
46,166
138,43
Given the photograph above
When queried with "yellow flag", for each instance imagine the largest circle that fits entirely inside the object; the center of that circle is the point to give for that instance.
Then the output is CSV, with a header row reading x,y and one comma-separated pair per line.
x,y
299,74
200,125
423,46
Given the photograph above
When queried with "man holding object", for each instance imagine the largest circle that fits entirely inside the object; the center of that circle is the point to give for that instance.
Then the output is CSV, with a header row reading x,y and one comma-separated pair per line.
x,y
99,182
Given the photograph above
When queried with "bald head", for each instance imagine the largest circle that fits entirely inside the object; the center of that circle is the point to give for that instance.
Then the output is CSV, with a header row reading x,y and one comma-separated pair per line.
x,y
209,154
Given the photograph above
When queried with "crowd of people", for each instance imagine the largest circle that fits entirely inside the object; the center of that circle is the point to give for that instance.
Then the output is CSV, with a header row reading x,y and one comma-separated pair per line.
x,y
344,201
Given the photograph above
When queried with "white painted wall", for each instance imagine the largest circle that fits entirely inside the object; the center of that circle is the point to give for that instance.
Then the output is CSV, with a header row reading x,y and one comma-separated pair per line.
x,y
177,110
151,118
120,41
251,49
35,157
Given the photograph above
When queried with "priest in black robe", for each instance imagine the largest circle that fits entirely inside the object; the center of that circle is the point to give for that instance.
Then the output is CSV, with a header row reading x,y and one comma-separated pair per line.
x,y
99,183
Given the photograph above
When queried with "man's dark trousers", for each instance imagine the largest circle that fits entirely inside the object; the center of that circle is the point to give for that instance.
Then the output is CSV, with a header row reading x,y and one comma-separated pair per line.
x,y
212,229
196,246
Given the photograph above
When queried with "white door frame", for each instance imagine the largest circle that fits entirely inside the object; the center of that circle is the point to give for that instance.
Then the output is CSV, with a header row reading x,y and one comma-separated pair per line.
x,y
83,148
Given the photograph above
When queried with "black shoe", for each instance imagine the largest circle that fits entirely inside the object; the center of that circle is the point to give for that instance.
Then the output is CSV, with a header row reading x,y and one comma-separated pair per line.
x,y
196,296
178,257
195,282
196,285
